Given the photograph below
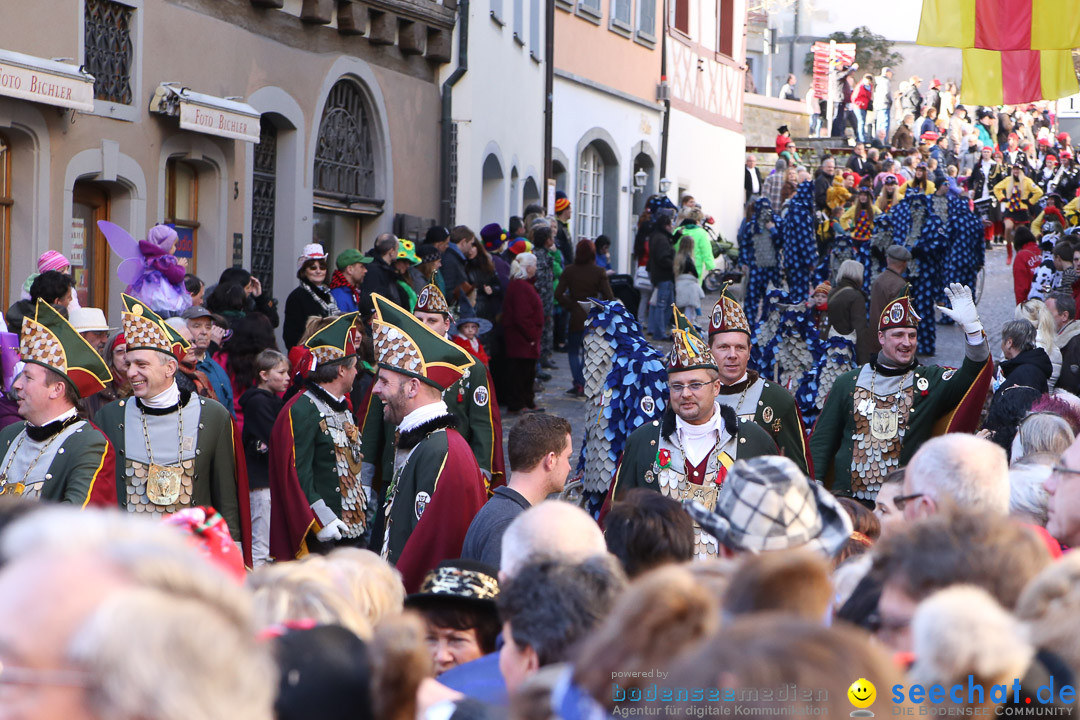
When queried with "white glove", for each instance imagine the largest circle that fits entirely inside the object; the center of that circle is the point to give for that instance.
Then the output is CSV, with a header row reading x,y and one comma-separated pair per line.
x,y
335,530
963,309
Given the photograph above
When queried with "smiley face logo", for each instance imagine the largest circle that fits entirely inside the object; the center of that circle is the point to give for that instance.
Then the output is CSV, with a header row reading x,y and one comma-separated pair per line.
x,y
862,694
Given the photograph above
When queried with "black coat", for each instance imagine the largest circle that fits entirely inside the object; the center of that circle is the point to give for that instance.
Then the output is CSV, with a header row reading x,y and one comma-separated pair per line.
x,y
261,408
748,184
300,306
661,257
1030,368
822,183
382,279
1069,379
454,275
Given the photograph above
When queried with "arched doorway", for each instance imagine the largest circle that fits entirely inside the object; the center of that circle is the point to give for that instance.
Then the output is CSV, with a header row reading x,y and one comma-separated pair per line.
x,y
492,191
347,187
643,163
531,193
91,202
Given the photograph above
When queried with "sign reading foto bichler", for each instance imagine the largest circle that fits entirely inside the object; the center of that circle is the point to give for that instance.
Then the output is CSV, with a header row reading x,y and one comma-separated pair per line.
x,y
46,81
219,121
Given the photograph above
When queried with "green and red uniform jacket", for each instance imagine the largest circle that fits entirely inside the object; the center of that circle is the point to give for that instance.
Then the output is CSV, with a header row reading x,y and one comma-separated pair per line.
x,y
433,499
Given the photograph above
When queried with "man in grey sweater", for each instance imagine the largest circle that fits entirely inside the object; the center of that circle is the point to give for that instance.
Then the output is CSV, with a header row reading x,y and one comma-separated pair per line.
x,y
540,447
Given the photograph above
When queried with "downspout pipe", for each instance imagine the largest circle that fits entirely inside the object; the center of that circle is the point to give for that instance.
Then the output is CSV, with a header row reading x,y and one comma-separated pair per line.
x,y
549,92
446,209
667,101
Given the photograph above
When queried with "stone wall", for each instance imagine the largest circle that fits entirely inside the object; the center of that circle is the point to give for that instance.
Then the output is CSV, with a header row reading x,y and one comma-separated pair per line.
x,y
762,115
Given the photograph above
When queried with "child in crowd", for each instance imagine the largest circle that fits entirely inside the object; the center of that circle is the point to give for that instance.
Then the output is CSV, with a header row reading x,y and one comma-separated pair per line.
x,y
818,305
466,334
261,405
603,253
688,292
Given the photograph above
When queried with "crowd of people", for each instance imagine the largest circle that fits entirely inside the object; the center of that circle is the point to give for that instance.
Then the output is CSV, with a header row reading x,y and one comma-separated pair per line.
x,y
197,521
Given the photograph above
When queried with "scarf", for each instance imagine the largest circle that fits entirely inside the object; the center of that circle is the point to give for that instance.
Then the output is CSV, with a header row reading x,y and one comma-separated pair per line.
x,y
338,280
699,440
322,295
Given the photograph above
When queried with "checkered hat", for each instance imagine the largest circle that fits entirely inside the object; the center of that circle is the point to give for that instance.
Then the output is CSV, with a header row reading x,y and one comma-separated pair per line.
x,y
766,503
727,315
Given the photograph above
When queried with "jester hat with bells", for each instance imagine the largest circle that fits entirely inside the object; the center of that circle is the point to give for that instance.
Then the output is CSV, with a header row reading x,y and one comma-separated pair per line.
x,y
688,350
49,340
727,315
144,329
405,345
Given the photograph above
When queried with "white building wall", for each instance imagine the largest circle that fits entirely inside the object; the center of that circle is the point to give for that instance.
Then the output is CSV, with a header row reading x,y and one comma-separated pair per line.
x,y
707,161
586,114
498,106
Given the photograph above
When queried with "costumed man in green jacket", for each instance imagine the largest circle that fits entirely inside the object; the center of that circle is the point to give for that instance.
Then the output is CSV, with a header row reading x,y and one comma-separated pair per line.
x,y
751,396
436,487
876,416
174,449
687,453
471,401
53,454
316,495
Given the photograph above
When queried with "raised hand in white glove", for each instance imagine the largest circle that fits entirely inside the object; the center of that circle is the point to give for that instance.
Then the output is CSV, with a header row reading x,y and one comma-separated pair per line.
x,y
963,309
335,530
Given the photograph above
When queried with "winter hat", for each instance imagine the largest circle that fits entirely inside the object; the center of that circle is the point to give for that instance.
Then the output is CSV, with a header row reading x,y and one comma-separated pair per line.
x,y
520,246
51,260
493,236
561,201
435,234
823,289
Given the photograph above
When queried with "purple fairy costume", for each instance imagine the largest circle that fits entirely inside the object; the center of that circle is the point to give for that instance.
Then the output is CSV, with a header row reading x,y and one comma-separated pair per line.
x,y
161,282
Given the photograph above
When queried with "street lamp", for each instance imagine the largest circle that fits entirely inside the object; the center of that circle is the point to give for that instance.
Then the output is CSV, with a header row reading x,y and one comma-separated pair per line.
x,y
640,178
665,185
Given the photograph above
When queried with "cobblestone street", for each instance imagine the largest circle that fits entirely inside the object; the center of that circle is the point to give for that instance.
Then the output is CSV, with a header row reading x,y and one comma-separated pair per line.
x,y
995,309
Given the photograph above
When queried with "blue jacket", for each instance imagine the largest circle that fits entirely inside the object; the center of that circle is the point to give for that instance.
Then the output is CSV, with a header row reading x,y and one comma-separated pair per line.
x,y
219,381
344,299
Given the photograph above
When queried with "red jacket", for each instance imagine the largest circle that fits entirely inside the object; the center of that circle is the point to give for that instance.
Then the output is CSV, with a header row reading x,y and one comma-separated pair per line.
x,y
480,354
863,96
1027,259
523,320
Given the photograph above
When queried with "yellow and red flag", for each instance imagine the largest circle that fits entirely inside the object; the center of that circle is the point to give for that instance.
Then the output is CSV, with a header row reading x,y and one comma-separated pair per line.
x,y
1014,50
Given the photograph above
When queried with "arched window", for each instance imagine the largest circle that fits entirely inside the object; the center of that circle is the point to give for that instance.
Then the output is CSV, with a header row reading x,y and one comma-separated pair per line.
x,y
345,154
590,205
346,190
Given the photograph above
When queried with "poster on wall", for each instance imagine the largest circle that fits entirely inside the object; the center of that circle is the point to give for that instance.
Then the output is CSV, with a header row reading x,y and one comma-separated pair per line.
x,y
185,245
78,242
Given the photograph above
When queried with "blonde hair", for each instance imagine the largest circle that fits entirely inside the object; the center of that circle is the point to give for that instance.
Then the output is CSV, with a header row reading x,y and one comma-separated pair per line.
x,y
304,590
1036,313
521,262
373,587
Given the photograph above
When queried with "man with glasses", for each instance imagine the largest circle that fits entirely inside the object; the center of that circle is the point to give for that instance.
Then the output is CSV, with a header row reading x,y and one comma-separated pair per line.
x,y
751,396
1063,485
686,454
877,415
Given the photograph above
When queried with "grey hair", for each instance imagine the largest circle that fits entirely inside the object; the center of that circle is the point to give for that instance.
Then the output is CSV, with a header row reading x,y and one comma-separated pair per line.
x,y
1044,433
553,528
969,471
1027,494
521,262
851,270
1020,333
173,609
962,631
